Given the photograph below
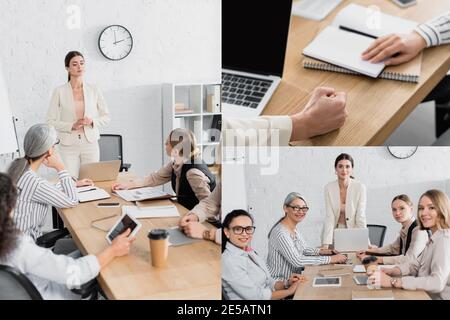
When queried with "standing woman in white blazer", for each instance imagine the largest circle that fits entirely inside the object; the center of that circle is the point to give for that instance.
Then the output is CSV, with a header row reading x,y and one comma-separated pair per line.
x,y
77,111
345,200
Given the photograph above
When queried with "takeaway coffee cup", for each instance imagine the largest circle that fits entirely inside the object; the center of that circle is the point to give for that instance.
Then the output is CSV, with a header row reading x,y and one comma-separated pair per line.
x,y
159,247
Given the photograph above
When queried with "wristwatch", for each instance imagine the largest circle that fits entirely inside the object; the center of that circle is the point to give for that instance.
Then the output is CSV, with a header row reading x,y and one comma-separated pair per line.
x,y
207,234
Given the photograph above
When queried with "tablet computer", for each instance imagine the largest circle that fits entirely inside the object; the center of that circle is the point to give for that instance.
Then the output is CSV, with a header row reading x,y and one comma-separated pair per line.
x,y
361,280
327,282
126,221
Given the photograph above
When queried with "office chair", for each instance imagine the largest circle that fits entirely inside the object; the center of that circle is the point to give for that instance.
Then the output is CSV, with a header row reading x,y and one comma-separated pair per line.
x,y
224,294
15,286
376,234
111,149
443,140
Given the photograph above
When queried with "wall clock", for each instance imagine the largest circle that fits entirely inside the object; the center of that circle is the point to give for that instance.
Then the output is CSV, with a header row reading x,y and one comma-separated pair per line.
x,y
402,152
115,42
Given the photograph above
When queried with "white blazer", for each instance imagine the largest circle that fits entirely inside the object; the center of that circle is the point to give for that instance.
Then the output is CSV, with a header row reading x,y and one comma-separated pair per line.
x,y
61,113
355,208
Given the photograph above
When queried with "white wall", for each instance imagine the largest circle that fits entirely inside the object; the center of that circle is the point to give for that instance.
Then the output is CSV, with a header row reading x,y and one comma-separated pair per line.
x,y
308,170
174,41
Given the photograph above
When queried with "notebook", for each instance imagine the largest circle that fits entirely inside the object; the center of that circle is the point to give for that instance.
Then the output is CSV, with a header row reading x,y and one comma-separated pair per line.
x,y
151,211
406,72
178,238
352,31
91,193
372,295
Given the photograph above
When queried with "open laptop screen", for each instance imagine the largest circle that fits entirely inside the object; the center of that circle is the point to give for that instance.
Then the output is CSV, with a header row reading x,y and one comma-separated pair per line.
x,y
254,35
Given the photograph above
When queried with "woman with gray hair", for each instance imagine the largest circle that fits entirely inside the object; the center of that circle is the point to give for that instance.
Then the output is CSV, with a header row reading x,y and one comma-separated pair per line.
x,y
36,195
288,251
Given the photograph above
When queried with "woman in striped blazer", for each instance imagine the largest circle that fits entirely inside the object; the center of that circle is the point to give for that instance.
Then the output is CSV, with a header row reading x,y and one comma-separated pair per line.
x,y
37,195
288,251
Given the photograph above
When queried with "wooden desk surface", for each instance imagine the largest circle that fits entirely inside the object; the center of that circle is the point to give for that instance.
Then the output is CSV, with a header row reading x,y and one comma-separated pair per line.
x,y
193,271
376,107
306,291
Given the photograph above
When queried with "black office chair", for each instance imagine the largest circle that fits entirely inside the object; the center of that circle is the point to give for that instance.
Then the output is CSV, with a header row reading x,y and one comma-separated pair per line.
x,y
15,286
376,234
111,149
224,294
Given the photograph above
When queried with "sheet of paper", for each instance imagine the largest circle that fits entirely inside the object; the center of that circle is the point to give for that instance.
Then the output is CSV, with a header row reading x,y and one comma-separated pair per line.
x,y
359,268
151,212
343,48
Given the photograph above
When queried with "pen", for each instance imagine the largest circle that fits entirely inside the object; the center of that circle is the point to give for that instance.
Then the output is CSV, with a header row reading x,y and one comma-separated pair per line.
x,y
88,190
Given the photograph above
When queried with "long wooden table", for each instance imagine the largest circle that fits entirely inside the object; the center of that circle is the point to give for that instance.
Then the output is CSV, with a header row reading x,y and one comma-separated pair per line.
x,y
376,107
305,291
193,271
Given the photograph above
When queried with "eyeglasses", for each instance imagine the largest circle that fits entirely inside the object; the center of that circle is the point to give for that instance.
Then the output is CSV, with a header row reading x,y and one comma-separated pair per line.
x,y
57,142
240,230
297,208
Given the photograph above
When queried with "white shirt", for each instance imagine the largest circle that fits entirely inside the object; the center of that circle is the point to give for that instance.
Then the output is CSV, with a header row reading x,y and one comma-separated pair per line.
x,y
53,275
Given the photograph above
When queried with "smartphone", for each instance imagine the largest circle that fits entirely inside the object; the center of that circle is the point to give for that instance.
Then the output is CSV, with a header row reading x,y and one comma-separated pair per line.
x,y
404,3
108,204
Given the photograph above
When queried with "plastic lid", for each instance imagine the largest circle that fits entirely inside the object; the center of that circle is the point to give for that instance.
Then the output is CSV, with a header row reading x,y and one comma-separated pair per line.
x,y
158,234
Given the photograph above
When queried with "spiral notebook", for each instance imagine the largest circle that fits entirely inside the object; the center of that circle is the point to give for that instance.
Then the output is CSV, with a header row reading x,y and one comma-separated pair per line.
x,y
407,72
339,46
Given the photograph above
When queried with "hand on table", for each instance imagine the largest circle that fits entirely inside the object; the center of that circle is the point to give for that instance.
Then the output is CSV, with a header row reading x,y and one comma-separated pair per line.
x,y
84,182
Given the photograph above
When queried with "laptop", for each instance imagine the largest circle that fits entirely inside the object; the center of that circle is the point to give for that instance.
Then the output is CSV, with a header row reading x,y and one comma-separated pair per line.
x,y
348,240
254,39
100,171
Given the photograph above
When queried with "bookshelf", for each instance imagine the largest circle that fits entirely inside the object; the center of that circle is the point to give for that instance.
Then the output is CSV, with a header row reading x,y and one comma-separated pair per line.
x,y
196,107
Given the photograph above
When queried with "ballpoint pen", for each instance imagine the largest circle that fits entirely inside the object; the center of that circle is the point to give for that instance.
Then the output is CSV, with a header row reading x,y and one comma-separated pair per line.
x,y
87,190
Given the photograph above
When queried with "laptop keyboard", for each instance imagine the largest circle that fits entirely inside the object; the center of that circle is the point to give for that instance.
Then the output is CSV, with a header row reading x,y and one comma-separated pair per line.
x,y
243,91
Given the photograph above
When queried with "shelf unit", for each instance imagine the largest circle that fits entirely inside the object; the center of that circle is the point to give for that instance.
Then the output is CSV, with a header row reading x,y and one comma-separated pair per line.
x,y
204,114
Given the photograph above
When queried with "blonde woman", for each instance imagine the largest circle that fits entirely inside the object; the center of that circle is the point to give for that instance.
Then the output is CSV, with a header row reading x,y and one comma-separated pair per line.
x,y
77,111
190,177
431,270
345,200
411,240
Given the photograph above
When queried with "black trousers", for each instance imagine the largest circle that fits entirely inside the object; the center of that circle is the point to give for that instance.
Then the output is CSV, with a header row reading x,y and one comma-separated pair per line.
x,y
441,95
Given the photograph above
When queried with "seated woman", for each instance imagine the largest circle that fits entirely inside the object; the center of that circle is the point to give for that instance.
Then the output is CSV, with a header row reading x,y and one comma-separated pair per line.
x,y
209,209
191,179
37,195
244,273
431,270
411,240
52,275
288,251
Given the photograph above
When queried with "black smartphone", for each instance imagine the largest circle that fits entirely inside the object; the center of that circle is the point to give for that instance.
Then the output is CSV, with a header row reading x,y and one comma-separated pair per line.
x,y
108,204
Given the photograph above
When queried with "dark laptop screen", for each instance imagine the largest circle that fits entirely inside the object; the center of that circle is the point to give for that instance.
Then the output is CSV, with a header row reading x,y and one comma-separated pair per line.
x,y
254,35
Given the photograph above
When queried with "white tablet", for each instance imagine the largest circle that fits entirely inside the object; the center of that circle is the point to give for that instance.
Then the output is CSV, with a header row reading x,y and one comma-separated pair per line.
x,y
327,282
126,221
361,280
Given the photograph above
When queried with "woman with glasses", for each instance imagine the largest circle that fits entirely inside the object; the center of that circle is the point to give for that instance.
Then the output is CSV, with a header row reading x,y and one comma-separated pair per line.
x,y
37,195
288,251
345,200
77,111
244,273
430,271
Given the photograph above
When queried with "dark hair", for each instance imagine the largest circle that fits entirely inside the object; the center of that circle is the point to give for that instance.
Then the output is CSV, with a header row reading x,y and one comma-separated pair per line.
x,y
8,232
227,221
404,198
69,56
344,156
287,201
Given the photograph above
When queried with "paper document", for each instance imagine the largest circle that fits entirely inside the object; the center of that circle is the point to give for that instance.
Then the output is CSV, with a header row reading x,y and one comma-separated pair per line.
x,y
147,193
151,212
178,238
359,268
91,193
